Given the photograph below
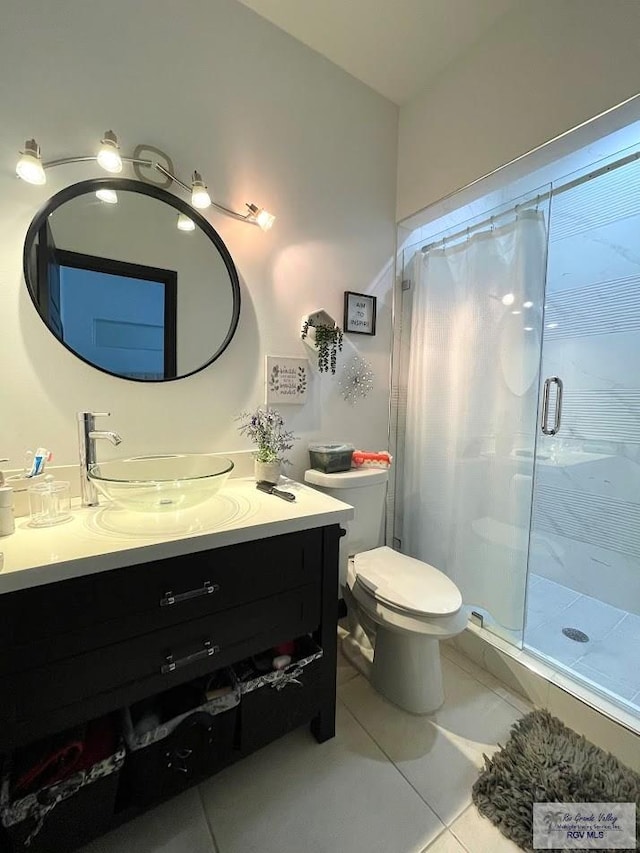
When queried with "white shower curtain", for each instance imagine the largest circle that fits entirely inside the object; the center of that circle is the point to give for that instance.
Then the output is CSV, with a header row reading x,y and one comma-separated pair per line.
x,y
472,391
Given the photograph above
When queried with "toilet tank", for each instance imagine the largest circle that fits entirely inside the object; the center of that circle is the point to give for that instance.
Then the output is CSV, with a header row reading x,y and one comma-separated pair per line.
x,y
366,490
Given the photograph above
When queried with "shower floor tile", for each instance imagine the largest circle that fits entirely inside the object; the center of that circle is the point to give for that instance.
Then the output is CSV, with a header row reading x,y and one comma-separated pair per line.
x,y
614,660
545,600
594,617
607,659
549,639
628,631
617,686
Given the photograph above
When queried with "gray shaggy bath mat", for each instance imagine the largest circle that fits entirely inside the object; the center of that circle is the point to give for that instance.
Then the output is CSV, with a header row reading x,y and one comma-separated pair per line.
x,y
545,762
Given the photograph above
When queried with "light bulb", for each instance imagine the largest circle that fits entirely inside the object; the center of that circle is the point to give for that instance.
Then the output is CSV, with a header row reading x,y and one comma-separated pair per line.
x,y
265,219
508,299
108,155
200,198
527,304
528,328
29,166
184,223
260,216
516,312
108,196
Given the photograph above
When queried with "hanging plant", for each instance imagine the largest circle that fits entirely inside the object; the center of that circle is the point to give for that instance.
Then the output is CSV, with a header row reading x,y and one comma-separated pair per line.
x,y
328,341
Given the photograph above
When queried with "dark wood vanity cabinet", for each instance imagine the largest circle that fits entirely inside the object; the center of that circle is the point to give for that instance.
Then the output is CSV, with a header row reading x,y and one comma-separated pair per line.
x,y
78,649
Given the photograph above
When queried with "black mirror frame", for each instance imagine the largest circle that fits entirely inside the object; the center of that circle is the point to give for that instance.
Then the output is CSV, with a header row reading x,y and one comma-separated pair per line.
x,y
86,187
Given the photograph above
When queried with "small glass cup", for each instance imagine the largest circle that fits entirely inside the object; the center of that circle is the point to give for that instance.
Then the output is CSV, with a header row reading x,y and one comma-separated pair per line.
x,y
49,502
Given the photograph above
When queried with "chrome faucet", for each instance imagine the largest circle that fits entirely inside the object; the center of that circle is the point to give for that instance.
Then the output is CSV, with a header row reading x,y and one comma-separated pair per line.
x,y
87,435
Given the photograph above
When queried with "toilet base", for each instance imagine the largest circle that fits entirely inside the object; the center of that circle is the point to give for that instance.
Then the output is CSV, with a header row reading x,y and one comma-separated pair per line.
x,y
406,670
404,666
359,656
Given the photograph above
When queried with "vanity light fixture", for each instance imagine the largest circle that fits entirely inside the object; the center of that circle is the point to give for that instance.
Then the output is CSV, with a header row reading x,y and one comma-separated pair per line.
x,y
109,155
184,223
255,215
200,198
30,167
108,196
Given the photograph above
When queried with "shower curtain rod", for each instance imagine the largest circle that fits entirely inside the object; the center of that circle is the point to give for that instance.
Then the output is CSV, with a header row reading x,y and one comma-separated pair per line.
x,y
489,220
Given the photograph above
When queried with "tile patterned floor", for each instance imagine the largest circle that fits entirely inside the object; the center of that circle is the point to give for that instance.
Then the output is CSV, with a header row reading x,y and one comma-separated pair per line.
x,y
389,782
608,659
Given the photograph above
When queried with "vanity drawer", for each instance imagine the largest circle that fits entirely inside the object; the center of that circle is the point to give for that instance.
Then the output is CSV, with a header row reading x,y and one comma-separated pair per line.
x,y
76,688
65,619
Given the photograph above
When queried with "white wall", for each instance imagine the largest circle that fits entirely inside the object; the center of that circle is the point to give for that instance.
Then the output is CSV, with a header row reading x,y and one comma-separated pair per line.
x,y
264,119
543,69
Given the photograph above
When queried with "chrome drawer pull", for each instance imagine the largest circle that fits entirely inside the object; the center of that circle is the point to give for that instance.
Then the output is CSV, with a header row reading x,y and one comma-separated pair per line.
x,y
207,588
171,665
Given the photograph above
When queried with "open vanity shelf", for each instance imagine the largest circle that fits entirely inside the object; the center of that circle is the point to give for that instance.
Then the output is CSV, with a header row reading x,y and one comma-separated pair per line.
x,y
78,649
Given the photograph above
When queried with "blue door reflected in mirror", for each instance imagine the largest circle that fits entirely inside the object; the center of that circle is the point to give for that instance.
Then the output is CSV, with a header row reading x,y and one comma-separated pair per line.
x,y
118,323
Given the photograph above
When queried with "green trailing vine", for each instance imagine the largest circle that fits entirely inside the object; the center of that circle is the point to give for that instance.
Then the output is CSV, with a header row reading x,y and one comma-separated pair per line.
x,y
328,343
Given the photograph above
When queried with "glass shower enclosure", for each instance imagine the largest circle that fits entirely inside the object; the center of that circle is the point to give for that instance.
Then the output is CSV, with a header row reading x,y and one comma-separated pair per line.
x,y
583,602
519,421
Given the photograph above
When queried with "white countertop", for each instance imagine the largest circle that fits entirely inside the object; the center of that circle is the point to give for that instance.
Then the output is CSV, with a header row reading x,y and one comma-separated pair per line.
x,y
102,538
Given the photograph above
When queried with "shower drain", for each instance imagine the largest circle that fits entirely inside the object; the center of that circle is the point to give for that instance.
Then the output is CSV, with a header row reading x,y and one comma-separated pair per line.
x,y
576,634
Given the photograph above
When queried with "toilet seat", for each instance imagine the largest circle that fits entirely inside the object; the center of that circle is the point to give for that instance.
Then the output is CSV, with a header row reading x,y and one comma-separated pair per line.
x,y
406,584
392,610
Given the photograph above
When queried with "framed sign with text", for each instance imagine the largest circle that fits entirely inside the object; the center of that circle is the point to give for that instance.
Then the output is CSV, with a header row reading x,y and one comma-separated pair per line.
x,y
287,380
359,313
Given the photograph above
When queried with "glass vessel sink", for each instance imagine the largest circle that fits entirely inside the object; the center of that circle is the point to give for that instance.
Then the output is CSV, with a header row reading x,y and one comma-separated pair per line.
x,y
158,483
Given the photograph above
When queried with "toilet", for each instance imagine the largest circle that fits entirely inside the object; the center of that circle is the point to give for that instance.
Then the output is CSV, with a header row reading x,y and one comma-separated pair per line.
x,y
399,608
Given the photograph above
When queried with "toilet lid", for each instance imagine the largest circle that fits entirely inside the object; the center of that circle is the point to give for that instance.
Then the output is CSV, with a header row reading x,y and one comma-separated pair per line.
x,y
407,583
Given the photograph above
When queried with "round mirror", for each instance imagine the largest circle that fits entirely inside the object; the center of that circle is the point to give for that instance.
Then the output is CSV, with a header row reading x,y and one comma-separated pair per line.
x,y
132,279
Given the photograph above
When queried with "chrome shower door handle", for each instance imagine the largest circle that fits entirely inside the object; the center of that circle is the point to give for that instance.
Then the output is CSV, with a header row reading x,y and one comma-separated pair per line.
x,y
558,417
545,406
546,395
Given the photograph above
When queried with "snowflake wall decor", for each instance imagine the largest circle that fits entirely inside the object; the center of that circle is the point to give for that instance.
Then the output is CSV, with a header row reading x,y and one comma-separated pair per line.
x,y
357,380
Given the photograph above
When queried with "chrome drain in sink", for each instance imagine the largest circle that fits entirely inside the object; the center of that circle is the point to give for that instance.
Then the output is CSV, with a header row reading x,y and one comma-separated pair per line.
x,y
576,634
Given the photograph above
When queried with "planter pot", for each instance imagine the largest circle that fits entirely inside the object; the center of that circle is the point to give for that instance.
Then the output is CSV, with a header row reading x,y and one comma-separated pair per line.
x,y
268,471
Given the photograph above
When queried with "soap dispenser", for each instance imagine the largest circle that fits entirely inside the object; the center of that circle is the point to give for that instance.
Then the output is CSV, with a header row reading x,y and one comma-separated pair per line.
x,y
7,522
